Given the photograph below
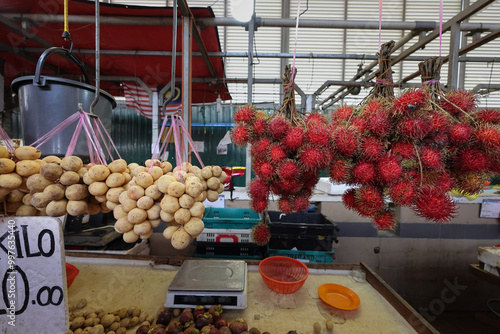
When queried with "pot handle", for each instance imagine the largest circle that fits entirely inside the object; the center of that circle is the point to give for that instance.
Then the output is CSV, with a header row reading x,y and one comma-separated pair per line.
x,y
40,81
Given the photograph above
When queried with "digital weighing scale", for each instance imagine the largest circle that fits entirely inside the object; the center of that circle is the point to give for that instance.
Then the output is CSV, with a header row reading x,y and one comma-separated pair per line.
x,y
209,282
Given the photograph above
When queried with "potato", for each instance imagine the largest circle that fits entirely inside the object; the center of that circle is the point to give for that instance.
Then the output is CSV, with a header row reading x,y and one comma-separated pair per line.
x,y
12,180
194,169
213,183
4,152
179,176
185,166
51,171
194,187
135,192
99,199
69,177
166,167
6,165
142,228
113,194
180,239
81,172
155,222
99,172
132,166
117,166
23,187
164,182
52,158
127,203
167,217
170,204
118,212
153,192
186,201
206,172
27,153
130,237
150,162
216,171
26,211
169,231
145,202
76,208
137,170
176,189
194,227
202,197
221,188
108,319
76,192
93,208
144,179
27,167
197,209
136,216
87,179
212,195
55,192
11,207
127,177
222,177
26,199
154,212
182,216
98,188
122,225
42,212
15,195
71,163
115,180
56,208
156,172
77,323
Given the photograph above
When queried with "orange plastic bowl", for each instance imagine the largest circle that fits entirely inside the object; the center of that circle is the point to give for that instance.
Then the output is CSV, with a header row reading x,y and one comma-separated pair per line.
x,y
71,273
283,274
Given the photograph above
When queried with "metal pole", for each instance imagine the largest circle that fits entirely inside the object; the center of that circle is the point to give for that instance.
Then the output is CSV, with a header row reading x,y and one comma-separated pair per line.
x,y
251,32
453,57
186,76
97,58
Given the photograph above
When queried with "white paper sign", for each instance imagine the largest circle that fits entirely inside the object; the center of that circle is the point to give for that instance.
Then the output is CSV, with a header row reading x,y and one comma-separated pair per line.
x,y
490,209
222,150
33,275
199,146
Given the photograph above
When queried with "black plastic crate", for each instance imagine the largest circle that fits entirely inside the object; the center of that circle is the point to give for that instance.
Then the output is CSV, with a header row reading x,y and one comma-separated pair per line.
x,y
229,250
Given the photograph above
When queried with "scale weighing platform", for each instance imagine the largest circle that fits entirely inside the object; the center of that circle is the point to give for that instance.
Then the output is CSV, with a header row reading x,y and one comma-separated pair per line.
x,y
209,282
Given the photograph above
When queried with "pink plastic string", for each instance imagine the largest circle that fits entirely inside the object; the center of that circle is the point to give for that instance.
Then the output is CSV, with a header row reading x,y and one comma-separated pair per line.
x,y
295,48
97,130
191,142
109,138
5,137
428,82
379,26
163,148
157,144
91,137
387,82
74,139
52,133
440,25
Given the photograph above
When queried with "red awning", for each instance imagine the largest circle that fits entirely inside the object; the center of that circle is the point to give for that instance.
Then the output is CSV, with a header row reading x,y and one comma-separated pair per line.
x,y
153,70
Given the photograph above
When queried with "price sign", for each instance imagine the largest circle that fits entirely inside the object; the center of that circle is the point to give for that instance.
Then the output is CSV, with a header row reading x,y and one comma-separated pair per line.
x,y
32,276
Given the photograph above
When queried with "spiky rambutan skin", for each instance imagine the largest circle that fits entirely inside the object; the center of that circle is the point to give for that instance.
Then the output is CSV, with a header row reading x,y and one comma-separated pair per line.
x,y
433,204
458,101
385,220
310,178
445,181
389,168
261,234
258,205
285,205
275,186
290,186
259,127
369,200
488,137
318,134
403,149
245,115
346,141
289,170
260,148
316,118
401,192
349,199
415,128
438,139
276,154
359,124
488,116
342,114
265,171
300,203
240,135
439,121
371,148
379,124
258,189
363,172
340,171
471,160
460,133
294,138
312,157
409,102
431,158
470,183
278,127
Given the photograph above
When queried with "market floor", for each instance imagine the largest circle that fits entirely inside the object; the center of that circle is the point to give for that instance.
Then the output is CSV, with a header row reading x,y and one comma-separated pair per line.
x,y
467,323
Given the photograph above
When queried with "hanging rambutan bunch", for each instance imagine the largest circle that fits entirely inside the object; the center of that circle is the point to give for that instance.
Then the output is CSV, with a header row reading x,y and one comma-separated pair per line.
x,y
245,115
460,133
261,234
259,127
488,137
240,135
371,148
285,205
349,199
318,134
415,128
434,204
363,172
258,205
403,149
294,138
458,101
300,203
389,169
289,170
488,116
369,200
471,160
276,154
258,189
278,127
470,183
346,141
431,158
312,157
342,114
340,171
260,148
316,118
409,102
401,192
385,220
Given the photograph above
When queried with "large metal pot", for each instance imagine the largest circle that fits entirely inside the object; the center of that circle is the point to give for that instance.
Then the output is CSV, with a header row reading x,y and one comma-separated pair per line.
x,y
45,102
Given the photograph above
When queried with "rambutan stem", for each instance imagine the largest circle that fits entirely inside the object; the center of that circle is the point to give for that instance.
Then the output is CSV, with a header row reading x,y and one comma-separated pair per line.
x,y
421,169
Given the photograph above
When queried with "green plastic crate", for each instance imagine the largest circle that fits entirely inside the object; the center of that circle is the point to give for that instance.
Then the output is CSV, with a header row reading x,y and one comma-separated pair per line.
x,y
222,218
305,256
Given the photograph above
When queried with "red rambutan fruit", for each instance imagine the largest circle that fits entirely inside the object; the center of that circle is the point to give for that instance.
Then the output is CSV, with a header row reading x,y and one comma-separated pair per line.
x,y
276,154
369,200
488,136
444,180
258,205
389,168
260,148
401,192
285,205
258,189
290,186
371,148
240,135
279,127
261,234
434,204
415,128
470,183
259,127
340,171
316,118
312,158
489,116
300,203
472,160
266,171
385,220
294,138
409,102
343,113
309,179
460,133
349,199
403,149
377,118
458,101
275,186
318,134
359,124
431,158
363,172
346,141
439,121
245,114
289,170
